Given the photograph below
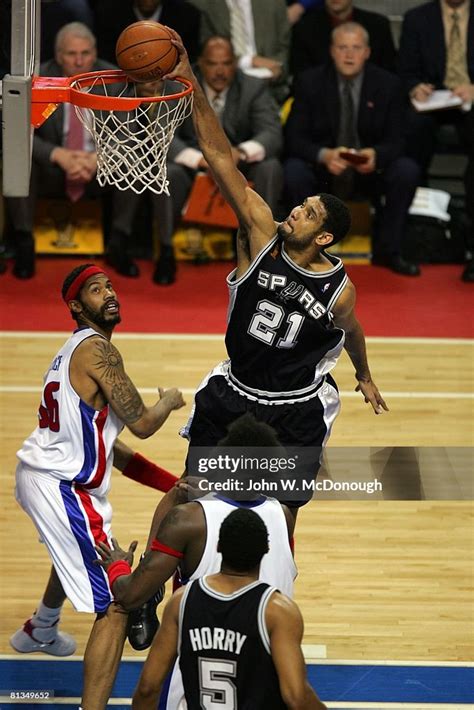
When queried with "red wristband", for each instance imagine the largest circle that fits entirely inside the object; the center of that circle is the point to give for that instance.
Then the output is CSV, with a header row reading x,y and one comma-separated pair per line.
x,y
157,546
119,568
146,472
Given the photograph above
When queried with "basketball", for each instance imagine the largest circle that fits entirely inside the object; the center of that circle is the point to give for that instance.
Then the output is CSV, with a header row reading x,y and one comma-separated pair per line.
x,y
144,51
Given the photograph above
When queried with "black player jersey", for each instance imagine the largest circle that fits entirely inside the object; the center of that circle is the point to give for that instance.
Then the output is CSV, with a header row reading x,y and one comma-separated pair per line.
x,y
224,653
280,335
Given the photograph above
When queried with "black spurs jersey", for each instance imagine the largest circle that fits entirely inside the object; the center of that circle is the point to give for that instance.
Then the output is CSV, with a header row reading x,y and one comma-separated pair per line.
x,y
280,335
224,652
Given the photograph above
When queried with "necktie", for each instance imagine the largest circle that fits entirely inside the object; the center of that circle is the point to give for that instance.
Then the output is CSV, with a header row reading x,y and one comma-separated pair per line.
x,y
343,184
347,129
456,60
238,29
74,141
218,104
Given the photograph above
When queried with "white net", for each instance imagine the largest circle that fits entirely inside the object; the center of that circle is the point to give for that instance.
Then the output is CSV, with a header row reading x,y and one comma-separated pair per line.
x,y
132,145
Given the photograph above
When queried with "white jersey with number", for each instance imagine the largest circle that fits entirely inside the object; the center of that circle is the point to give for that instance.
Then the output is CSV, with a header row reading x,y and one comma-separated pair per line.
x,y
277,567
73,441
62,480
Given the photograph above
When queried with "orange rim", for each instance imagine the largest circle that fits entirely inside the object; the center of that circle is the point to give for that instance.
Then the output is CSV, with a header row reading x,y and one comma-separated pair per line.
x,y
64,90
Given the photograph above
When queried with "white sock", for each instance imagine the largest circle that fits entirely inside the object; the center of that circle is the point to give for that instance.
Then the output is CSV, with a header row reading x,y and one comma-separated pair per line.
x,y
44,617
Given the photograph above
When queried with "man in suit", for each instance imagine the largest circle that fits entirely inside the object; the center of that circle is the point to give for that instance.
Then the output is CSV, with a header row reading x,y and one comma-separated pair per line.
x,y
311,37
111,17
261,45
249,116
351,104
64,159
437,52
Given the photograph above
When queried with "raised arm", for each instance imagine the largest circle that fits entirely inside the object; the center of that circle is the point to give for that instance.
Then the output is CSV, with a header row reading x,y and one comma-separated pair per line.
x,y
254,215
345,318
100,361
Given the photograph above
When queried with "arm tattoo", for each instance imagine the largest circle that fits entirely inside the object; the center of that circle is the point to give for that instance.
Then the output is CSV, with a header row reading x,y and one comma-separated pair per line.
x,y
124,395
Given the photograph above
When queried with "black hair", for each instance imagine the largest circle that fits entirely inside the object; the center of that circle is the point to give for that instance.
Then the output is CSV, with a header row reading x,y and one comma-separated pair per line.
x,y
68,281
247,431
243,540
338,217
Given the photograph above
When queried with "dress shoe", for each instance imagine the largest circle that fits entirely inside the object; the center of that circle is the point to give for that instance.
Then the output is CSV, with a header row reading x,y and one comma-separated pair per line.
x,y
397,264
468,273
143,622
165,269
122,263
24,256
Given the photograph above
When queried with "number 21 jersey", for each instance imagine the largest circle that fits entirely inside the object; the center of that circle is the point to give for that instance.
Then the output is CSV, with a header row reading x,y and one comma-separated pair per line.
x,y
280,334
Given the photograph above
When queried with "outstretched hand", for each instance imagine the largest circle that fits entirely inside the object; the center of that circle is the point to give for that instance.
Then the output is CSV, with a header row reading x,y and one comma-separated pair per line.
x,y
109,555
372,396
183,66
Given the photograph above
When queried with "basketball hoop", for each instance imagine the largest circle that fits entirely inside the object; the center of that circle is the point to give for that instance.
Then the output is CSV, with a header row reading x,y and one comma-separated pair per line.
x,y
132,134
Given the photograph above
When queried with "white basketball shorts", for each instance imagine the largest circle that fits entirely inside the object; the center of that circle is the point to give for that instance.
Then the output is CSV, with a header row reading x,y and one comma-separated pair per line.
x,y
70,522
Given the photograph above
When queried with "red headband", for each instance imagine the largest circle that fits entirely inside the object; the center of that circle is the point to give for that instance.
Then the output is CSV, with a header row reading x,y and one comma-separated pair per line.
x,y
73,290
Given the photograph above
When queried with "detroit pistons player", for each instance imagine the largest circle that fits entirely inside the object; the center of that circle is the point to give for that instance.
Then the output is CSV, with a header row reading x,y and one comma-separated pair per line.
x,y
63,477
291,308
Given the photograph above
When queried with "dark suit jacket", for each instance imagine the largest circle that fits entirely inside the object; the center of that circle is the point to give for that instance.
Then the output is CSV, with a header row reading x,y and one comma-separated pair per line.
x,y
271,29
312,38
50,134
422,55
314,118
250,113
112,16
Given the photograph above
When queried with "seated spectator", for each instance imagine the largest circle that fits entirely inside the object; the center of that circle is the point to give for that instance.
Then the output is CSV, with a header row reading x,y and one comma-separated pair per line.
x,y
250,118
437,52
311,37
112,16
260,35
351,104
64,160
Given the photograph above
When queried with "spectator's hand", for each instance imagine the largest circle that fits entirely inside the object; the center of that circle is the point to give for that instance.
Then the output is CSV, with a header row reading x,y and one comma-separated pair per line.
x,y
173,398
422,92
294,12
369,165
203,164
274,66
68,160
465,92
333,161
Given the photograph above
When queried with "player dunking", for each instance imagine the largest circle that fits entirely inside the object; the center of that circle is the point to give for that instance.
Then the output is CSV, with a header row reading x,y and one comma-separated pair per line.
x,y
238,639
63,477
291,308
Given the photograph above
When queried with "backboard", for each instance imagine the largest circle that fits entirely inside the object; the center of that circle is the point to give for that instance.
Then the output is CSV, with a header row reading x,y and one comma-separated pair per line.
x,y
16,97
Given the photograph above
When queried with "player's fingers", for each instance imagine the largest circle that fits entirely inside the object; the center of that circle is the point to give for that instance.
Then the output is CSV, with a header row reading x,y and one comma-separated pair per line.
x,y
383,404
103,551
132,547
115,544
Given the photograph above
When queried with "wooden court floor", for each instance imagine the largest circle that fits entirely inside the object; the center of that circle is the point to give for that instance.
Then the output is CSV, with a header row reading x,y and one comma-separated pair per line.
x,y
378,579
